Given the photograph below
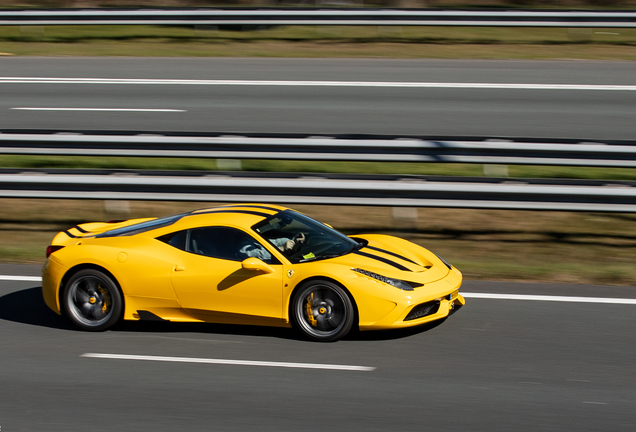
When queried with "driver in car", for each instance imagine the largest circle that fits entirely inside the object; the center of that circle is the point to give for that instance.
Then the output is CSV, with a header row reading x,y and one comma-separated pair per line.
x,y
253,249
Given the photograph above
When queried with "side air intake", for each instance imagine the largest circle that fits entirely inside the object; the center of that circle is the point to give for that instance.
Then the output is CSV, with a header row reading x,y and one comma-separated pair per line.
x,y
422,310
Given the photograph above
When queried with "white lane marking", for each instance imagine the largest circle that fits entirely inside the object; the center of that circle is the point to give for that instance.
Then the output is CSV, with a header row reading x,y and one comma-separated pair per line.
x,y
98,109
549,298
21,278
230,362
465,294
288,83
595,403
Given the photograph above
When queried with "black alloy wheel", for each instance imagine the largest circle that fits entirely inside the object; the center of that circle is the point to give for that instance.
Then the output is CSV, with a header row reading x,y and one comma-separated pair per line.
x,y
322,311
92,300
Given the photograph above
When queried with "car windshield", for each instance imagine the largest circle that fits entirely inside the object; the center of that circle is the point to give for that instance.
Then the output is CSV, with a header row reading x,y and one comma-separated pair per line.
x,y
311,240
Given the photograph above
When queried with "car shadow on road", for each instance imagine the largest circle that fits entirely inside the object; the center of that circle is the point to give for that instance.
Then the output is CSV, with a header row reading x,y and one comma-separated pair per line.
x,y
208,328
27,307
380,335
275,332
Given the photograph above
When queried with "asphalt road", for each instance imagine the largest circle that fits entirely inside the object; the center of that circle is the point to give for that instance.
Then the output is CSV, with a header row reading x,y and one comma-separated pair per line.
x,y
519,112
495,365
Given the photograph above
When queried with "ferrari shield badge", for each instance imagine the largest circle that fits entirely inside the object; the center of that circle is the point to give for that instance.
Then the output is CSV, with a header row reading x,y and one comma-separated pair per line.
x,y
290,273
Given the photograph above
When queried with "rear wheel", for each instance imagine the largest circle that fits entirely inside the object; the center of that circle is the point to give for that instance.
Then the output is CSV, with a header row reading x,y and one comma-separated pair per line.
x,y
322,311
92,300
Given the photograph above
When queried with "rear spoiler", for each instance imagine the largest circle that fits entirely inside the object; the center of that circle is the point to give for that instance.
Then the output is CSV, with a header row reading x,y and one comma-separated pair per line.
x,y
91,229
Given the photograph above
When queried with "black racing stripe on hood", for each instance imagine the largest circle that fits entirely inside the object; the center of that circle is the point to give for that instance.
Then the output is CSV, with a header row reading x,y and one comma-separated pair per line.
x,y
255,213
390,253
83,231
255,206
384,260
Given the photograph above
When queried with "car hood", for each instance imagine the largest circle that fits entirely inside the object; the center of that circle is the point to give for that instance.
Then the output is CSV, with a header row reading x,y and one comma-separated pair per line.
x,y
395,258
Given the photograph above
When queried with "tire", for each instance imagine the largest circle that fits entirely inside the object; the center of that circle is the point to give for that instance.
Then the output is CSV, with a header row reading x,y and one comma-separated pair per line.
x,y
322,311
92,300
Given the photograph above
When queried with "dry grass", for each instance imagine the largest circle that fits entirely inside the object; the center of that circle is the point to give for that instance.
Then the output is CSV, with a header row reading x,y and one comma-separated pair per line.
x,y
322,41
317,49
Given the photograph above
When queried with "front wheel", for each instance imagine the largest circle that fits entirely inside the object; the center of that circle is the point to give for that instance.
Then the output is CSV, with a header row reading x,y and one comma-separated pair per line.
x,y
92,300
322,311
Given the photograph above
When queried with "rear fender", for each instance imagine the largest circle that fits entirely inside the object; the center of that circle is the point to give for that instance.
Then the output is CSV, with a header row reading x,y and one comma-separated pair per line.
x,y
80,267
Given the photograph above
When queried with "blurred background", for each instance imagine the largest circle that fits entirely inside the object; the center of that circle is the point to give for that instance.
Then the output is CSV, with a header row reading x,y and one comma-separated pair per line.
x,y
488,244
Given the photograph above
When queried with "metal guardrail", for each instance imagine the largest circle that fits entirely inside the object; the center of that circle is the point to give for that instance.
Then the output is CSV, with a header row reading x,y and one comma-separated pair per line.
x,y
615,154
310,16
368,190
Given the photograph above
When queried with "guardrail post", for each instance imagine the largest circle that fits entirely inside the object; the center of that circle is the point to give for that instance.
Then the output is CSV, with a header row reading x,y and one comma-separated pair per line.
x,y
229,164
496,170
405,218
117,209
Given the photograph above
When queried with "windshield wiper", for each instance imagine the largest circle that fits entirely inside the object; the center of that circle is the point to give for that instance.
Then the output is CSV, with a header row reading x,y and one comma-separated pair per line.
x,y
322,257
360,244
330,256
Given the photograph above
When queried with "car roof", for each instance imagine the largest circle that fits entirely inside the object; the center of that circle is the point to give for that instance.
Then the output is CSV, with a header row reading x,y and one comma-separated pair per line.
x,y
263,210
240,215
237,215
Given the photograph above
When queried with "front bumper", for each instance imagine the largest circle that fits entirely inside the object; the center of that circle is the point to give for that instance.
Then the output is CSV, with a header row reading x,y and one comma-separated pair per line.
x,y
431,302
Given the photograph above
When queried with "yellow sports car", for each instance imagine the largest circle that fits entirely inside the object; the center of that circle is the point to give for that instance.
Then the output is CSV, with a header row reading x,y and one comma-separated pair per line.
x,y
245,264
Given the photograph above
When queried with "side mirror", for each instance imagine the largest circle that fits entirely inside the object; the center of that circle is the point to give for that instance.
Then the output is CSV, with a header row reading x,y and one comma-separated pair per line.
x,y
255,264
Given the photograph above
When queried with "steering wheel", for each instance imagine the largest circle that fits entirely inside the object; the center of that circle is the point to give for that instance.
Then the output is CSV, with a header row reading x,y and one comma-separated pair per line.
x,y
297,243
298,234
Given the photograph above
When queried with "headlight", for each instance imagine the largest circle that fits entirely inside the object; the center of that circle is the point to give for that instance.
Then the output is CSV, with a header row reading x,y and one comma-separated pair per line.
x,y
403,285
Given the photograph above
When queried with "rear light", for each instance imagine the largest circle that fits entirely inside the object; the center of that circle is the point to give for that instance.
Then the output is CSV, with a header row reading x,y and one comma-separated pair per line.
x,y
52,248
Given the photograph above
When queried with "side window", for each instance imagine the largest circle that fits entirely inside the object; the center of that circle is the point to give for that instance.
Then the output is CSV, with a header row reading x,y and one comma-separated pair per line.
x,y
226,243
176,239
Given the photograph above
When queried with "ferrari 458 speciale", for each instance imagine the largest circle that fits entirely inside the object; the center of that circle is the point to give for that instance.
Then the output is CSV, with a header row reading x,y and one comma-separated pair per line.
x,y
245,264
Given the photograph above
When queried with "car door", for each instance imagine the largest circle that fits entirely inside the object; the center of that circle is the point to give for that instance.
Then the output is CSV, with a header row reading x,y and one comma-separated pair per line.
x,y
209,279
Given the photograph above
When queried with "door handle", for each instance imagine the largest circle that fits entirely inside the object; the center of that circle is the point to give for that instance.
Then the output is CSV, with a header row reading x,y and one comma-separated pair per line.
x,y
179,268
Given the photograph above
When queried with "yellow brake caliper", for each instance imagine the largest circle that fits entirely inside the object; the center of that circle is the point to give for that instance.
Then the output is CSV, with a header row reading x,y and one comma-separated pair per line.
x,y
106,298
309,309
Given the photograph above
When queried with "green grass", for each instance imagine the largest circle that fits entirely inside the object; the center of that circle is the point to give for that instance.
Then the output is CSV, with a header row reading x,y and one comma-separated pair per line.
x,y
514,171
